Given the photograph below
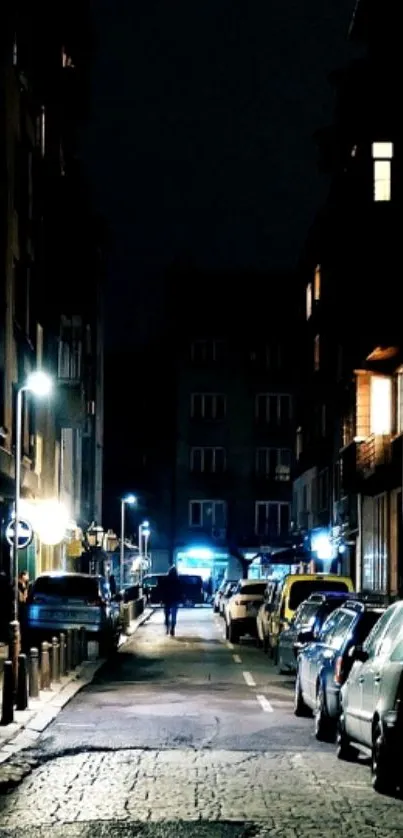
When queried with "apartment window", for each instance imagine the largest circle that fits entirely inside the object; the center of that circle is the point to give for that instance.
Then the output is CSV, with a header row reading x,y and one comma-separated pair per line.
x,y
316,353
207,514
309,300
274,462
207,459
70,348
272,519
15,52
67,60
207,406
273,408
317,283
382,155
207,351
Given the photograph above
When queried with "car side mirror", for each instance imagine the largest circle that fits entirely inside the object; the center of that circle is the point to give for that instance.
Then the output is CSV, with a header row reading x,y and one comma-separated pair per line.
x,y
305,636
358,653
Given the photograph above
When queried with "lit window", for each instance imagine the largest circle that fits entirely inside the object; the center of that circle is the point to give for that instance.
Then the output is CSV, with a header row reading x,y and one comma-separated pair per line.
x,y
316,287
308,300
15,52
381,403
66,59
382,154
316,352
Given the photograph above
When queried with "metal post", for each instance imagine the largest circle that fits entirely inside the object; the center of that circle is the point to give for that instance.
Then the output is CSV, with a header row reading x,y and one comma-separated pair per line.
x,y
22,687
122,542
69,650
55,661
15,635
83,644
7,710
45,666
76,649
62,654
33,673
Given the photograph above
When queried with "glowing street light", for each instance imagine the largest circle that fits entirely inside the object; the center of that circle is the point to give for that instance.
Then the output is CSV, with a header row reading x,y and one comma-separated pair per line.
x,y
130,500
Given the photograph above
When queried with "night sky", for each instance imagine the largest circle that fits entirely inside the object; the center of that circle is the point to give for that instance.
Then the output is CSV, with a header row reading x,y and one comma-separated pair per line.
x,y
200,146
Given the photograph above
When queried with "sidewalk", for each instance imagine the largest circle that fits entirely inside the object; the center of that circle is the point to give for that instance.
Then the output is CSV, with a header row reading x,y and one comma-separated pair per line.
x,y
29,724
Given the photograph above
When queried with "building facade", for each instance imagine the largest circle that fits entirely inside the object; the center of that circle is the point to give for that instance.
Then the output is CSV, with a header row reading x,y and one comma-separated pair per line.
x,y
50,280
234,427
347,488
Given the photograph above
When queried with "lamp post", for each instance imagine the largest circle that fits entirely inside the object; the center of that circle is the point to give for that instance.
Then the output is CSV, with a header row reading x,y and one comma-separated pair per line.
x,y
144,531
40,384
131,500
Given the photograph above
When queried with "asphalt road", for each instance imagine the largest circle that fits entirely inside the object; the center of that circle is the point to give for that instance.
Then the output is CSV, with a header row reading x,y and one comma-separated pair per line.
x,y
189,736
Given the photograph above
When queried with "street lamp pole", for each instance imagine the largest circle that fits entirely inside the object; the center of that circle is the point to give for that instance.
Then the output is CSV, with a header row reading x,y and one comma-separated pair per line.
x,y
40,384
130,500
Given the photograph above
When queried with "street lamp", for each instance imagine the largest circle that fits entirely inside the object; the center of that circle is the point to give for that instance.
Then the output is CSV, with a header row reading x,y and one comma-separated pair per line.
x,y
40,384
131,500
144,531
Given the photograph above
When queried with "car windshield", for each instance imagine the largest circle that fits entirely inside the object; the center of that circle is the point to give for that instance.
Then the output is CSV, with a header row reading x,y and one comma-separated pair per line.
x,y
191,580
66,587
301,590
258,588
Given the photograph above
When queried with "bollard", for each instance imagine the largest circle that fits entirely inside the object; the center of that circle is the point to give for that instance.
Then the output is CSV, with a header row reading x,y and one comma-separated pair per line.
x,y
22,685
55,670
69,650
7,711
62,654
33,673
83,644
45,666
76,649
126,619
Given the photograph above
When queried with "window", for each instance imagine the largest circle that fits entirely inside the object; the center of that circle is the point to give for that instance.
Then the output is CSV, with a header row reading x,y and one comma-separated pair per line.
x,y
308,300
274,408
67,61
374,639
316,353
207,514
317,283
207,405
272,518
382,154
70,349
15,52
206,351
209,460
381,405
299,443
275,462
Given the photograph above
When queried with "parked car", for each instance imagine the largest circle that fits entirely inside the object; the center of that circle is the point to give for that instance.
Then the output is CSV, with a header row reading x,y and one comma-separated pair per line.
x,y
241,610
220,593
264,613
60,601
372,702
305,626
192,590
294,589
228,592
324,663
152,587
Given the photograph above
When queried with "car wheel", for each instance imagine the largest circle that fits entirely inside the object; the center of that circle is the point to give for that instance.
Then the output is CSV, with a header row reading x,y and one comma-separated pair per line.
x,y
324,726
381,764
344,749
233,634
300,708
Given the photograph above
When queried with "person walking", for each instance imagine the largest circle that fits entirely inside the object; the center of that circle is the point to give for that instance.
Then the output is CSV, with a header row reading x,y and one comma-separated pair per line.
x,y
171,597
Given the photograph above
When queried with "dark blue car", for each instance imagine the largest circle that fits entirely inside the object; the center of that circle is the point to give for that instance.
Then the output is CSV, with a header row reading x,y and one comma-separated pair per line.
x,y
324,664
305,625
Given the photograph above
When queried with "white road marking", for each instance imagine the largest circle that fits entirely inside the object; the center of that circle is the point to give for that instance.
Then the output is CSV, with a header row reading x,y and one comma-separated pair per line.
x,y
67,724
230,645
249,679
265,703
237,659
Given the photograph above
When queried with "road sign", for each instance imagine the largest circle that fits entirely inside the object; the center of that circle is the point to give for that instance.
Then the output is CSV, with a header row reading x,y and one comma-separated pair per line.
x,y
25,533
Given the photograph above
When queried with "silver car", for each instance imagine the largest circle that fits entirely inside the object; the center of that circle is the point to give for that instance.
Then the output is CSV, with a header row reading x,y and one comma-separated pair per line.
x,y
372,702
60,601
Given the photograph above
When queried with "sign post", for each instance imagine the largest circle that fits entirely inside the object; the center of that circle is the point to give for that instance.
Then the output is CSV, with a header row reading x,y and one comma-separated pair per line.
x,y
25,533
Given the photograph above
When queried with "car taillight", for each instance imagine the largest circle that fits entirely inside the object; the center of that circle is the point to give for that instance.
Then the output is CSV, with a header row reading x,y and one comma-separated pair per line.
x,y
338,670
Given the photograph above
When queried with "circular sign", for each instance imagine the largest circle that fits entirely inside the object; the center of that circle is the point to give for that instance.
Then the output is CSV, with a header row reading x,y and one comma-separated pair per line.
x,y
25,533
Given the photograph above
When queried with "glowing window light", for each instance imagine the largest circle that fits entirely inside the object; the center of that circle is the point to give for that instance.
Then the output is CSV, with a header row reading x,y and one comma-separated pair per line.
x,y
381,405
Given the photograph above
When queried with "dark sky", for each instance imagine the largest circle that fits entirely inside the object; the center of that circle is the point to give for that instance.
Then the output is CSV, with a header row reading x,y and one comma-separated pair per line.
x,y
200,146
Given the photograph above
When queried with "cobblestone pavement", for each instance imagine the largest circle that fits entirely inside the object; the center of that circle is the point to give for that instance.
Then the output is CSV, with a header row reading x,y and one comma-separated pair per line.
x,y
291,790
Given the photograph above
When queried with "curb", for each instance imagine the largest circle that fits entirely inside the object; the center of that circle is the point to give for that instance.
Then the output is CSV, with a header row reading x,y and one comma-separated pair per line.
x,y
30,724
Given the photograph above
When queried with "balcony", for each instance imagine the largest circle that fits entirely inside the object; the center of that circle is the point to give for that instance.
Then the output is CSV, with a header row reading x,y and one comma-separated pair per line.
x,y
372,454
